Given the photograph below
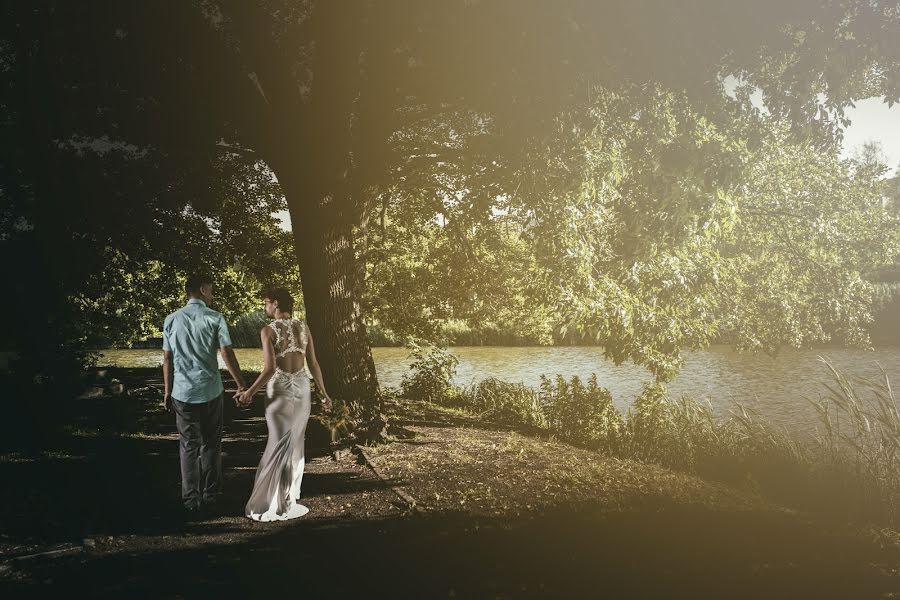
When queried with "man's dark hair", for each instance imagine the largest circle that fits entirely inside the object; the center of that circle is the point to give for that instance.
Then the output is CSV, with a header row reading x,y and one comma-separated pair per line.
x,y
195,282
282,296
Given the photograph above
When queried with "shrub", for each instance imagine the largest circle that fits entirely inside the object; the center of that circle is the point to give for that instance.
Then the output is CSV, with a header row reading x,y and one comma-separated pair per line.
x,y
431,374
580,414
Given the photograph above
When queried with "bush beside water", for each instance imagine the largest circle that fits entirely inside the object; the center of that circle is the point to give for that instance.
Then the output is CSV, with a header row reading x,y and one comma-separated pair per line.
x,y
430,373
581,414
850,469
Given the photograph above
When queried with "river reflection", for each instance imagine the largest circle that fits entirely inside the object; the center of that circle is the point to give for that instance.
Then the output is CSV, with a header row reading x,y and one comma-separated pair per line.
x,y
775,387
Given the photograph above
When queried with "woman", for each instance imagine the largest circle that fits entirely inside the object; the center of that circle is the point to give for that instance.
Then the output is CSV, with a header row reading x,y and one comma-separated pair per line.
x,y
286,343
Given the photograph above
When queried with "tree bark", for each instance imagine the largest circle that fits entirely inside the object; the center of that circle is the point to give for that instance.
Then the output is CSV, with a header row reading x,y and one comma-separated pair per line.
x,y
329,273
317,165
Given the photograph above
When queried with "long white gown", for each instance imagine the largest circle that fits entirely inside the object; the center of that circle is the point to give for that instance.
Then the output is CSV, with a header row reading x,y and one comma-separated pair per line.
x,y
276,490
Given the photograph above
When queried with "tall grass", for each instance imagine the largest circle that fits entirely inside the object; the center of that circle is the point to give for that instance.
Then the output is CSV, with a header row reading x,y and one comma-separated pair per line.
x,y
849,468
860,442
502,401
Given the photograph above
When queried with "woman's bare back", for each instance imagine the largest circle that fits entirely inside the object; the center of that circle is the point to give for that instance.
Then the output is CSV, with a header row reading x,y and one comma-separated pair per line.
x,y
290,344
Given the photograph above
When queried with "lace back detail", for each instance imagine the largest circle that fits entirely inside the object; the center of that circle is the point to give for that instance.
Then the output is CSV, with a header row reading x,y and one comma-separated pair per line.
x,y
286,338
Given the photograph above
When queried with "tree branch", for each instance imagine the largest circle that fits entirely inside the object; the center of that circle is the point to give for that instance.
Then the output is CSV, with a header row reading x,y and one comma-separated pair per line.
x,y
237,150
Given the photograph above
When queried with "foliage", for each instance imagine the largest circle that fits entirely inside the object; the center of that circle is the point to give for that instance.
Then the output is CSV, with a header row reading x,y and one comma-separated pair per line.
x,y
245,329
235,239
125,300
504,402
431,374
437,260
892,192
886,311
639,223
581,414
456,332
809,227
111,272
668,231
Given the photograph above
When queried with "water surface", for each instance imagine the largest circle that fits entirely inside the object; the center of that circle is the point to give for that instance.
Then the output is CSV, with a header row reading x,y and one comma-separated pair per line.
x,y
776,387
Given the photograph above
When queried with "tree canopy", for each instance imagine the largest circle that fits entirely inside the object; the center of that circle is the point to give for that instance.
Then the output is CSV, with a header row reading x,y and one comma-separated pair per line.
x,y
587,144
648,228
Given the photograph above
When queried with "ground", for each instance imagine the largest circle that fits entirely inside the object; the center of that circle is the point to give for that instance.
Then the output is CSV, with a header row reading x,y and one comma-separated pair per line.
x,y
455,507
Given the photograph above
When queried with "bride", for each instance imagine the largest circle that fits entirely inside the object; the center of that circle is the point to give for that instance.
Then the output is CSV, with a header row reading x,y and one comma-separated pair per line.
x,y
286,343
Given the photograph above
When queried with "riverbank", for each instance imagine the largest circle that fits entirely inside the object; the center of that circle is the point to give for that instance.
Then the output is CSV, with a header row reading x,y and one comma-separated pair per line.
x,y
485,511
774,387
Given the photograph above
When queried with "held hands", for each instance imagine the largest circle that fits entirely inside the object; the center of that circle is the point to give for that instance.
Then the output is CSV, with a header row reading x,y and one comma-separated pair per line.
x,y
243,398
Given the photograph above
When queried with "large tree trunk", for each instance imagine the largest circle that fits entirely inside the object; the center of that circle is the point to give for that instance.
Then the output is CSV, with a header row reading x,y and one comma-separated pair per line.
x,y
318,168
328,271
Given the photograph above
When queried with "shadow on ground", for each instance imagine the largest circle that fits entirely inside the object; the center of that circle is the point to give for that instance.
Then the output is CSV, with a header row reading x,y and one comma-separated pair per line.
x,y
571,553
115,471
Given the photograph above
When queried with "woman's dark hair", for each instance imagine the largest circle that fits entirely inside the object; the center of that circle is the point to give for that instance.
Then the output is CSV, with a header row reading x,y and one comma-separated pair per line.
x,y
282,296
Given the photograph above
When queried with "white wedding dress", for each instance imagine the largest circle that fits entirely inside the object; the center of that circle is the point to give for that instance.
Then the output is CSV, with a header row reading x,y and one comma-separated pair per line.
x,y
276,490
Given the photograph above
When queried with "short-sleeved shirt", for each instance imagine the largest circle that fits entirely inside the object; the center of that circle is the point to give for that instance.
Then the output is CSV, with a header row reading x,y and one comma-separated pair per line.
x,y
194,335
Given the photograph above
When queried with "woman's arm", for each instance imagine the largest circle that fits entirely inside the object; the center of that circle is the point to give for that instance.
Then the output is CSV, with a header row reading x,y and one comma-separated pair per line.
x,y
314,368
246,397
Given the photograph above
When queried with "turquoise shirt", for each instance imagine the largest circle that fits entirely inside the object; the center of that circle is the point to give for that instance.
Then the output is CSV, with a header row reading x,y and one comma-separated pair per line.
x,y
194,335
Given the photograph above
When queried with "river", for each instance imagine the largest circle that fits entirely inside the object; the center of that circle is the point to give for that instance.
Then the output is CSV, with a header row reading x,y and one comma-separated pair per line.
x,y
776,387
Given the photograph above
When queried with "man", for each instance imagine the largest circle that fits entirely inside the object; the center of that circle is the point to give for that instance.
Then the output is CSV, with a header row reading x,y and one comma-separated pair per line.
x,y
191,337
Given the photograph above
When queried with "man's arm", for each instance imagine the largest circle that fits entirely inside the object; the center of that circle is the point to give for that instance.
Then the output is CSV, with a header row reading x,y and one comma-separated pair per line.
x,y
167,380
231,363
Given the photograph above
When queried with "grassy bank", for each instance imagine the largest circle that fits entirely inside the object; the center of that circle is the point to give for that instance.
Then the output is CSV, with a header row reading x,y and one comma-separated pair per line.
x,y
849,469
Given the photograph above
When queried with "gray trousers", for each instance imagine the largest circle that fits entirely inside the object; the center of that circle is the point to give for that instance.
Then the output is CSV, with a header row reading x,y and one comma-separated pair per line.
x,y
200,429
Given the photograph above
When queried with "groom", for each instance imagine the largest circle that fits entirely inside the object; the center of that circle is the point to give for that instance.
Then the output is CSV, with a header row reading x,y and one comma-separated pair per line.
x,y
193,388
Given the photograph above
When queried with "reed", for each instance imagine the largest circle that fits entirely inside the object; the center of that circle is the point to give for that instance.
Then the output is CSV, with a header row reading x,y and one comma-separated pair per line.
x,y
859,444
505,402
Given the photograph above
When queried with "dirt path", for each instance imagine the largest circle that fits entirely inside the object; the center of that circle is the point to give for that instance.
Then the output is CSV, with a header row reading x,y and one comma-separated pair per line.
x,y
502,515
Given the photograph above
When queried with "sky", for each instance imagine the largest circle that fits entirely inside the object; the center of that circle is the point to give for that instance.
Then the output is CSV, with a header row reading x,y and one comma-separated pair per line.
x,y
870,120
873,120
